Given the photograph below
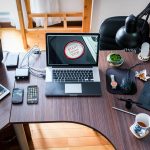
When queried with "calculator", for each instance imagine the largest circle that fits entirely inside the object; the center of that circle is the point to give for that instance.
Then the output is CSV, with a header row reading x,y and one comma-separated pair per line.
x,y
32,94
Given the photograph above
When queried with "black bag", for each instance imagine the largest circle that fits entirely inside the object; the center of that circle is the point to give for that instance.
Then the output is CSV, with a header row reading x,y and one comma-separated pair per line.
x,y
111,25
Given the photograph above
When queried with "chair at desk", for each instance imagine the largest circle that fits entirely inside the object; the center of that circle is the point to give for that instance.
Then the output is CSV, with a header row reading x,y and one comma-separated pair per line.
x,y
109,28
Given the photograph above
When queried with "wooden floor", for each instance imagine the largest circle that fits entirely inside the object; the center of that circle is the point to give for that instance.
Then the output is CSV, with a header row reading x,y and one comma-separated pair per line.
x,y
67,136
55,136
12,41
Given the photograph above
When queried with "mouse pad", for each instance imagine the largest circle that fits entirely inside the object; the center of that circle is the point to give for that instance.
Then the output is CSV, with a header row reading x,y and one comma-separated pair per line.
x,y
119,75
144,98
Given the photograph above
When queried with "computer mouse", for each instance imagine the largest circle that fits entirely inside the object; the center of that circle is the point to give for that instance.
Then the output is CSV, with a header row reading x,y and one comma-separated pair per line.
x,y
127,85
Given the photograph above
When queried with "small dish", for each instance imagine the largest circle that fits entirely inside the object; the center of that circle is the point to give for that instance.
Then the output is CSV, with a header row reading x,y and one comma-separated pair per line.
x,y
115,59
143,59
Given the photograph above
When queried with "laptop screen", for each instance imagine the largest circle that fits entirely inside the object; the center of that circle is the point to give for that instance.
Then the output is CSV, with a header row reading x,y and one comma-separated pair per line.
x,y
72,49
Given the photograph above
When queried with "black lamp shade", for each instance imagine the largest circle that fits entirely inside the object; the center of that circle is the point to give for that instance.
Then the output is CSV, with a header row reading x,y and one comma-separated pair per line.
x,y
128,36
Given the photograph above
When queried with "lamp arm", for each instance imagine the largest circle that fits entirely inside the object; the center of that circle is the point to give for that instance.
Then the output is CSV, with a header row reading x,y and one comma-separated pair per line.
x,y
146,11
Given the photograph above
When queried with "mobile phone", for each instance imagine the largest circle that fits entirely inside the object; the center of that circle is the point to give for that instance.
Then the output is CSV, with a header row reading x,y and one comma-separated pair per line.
x,y
32,94
17,96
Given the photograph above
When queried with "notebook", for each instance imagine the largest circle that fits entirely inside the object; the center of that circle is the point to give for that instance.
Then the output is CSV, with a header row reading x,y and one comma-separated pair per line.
x,y
72,64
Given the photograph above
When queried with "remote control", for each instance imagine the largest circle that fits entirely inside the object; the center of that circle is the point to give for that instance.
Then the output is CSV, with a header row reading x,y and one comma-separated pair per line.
x,y
32,94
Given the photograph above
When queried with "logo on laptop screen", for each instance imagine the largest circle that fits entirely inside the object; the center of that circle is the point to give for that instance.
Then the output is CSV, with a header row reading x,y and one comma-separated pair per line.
x,y
74,50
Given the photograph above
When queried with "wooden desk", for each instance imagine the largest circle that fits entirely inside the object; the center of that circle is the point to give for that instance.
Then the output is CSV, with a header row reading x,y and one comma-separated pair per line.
x,y
95,112
7,79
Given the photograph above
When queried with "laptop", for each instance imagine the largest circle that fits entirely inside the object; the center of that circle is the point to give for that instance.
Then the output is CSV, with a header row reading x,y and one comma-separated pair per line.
x,y
72,64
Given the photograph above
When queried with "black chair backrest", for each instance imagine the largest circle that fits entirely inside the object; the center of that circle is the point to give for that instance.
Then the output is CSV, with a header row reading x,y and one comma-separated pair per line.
x,y
1,52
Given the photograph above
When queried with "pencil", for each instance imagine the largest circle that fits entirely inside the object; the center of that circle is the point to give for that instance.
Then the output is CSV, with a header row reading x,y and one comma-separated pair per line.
x,y
124,111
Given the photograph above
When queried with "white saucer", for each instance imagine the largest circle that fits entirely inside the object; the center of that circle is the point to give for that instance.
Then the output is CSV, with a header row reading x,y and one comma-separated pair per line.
x,y
143,59
136,135
116,65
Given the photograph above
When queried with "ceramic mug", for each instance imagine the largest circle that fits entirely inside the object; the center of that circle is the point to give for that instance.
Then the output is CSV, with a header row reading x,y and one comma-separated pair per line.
x,y
141,126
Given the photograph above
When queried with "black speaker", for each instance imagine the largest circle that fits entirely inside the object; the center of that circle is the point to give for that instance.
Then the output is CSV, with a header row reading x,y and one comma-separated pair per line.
x,y
1,52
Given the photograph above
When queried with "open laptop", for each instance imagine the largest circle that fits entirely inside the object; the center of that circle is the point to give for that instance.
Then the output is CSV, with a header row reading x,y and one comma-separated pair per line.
x,y
72,64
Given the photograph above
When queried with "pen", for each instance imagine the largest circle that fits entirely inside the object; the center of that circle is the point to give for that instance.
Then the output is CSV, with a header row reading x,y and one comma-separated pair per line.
x,y
124,111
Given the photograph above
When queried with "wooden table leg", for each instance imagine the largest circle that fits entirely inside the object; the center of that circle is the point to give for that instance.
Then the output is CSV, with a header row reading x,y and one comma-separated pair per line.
x,y
27,131
21,136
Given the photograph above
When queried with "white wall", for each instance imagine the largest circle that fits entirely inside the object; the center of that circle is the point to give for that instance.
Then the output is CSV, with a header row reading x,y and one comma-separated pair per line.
x,y
103,9
4,6
10,6
70,6
65,5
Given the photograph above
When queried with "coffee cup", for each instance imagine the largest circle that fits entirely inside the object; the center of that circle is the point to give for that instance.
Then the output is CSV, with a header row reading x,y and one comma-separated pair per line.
x,y
141,126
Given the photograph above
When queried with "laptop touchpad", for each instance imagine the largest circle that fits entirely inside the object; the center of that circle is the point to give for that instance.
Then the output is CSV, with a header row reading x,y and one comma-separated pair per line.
x,y
73,88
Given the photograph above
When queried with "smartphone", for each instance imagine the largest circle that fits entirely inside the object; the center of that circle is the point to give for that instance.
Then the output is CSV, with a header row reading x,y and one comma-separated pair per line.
x,y
32,94
17,96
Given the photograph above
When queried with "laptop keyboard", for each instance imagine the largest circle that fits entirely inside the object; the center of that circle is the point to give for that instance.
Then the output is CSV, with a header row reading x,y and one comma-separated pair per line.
x,y
72,75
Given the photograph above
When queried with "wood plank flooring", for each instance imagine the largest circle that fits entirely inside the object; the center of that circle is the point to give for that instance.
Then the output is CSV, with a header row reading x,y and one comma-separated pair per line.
x,y
12,41
54,136
67,136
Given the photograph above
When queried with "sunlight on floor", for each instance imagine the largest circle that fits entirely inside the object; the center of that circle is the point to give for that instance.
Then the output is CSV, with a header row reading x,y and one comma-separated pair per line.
x,y
11,41
67,136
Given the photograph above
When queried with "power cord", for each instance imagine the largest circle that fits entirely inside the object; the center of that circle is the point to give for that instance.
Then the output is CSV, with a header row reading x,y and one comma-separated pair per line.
x,y
40,75
127,84
35,48
34,71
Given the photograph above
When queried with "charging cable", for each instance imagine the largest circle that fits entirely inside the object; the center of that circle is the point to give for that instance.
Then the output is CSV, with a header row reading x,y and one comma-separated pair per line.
x,y
34,71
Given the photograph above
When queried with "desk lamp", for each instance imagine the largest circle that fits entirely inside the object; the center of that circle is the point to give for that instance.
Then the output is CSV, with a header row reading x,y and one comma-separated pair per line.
x,y
129,36
128,102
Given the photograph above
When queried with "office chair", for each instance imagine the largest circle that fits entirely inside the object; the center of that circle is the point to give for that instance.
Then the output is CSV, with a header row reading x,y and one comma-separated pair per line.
x,y
1,52
109,28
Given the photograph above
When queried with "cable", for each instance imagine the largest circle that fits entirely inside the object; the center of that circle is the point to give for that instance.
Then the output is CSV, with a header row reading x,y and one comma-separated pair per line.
x,y
129,69
27,55
36,74
34,71
137,64
37,69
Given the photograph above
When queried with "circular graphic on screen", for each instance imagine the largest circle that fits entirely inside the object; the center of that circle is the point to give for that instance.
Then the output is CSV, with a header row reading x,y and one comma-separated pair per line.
x,y
74,50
